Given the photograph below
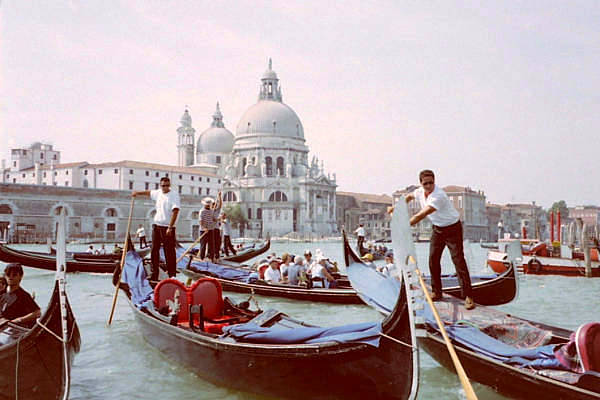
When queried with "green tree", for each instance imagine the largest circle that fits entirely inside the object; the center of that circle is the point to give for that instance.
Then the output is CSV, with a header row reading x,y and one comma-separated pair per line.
x,y
560,206
236,216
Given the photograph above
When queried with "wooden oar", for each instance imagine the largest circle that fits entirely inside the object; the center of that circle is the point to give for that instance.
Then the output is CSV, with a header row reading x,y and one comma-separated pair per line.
x,y
462,375
191,247
123,255
404,249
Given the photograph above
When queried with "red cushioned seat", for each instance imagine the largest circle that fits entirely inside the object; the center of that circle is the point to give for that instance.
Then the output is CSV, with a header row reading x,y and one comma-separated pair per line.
x,y
166,290
587,339
261,270
208,293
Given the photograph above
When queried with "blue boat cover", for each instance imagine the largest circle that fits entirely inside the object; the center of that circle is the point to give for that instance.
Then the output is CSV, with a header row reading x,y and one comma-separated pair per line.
x,y
375,289
367,333
134,275
223,272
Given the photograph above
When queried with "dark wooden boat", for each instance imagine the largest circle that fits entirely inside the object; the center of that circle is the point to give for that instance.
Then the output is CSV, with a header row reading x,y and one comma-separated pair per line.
x,y
245,255
515,382
494,291
35,366
112,257
325,370
48,261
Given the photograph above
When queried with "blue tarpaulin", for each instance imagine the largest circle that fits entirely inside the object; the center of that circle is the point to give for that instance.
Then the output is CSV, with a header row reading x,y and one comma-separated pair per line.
x,y
134,275
368,333
375,289
235,274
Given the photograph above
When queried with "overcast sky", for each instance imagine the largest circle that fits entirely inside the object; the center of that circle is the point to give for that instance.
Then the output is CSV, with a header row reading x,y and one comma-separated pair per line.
x,y
501,96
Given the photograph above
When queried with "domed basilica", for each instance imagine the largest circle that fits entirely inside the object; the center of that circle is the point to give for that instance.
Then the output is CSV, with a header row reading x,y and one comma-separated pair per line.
x,y
265,166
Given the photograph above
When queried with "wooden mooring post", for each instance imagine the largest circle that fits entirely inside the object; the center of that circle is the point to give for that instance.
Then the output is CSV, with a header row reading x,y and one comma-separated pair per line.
x,y
586,246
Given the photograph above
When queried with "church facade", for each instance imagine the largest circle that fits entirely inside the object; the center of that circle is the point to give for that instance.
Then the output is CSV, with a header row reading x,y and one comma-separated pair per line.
x,y
265,166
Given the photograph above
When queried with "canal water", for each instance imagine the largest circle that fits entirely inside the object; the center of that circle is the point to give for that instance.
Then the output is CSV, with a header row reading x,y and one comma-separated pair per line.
x,y
116,363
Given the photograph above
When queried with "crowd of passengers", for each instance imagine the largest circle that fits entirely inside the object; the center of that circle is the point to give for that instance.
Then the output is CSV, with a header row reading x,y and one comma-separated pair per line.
x,y
300,270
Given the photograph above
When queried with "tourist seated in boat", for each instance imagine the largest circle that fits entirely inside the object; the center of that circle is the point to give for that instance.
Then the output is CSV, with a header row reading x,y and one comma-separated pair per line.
x,y
286,261
90,250
117,249
102,250
3,284
16,305
320,276
389,265
296,272
272,274
308,260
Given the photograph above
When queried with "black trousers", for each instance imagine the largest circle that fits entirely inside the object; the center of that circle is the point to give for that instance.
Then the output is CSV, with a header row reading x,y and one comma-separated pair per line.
x,y
361,240
452,237
207,243
227,245
160,238
217,239
143,242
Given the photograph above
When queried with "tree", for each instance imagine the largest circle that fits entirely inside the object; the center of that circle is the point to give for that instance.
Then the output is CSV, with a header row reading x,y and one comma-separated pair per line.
x,y
562,207
236,217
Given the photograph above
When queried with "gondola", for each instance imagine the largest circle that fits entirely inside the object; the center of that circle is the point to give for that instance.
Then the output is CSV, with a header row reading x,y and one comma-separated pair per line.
x,y
48,261
498,290
33,366
520,382
318,370
112,257
247,254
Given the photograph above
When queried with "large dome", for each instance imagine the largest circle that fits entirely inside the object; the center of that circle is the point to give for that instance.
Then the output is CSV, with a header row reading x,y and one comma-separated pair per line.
x,y
215,140
269,117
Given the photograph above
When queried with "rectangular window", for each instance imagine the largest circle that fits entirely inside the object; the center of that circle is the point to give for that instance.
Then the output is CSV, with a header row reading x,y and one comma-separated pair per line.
x,y
200,179
147,173
44,174
199,190
259,213
207,190
23,175
156,186
192,177
14,180
55,173
54,157
207,179
156,174
180,176
54,183
130,185
66,183
14,163
67,172
180,189
218,160
41,155
130,172
249,213
111,227
116,171
85,171
219,181
146,186
33,174
99,172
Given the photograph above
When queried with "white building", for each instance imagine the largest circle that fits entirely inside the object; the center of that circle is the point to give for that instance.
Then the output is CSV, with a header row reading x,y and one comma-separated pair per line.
x,y
266,168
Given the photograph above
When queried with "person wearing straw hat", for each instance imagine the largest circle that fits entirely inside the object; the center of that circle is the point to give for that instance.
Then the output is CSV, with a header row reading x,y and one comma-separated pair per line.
x,y
447,231
163,228
208,221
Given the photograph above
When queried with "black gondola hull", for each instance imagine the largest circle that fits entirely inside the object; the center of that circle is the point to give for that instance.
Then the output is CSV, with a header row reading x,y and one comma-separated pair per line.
x,y
40,358
245,256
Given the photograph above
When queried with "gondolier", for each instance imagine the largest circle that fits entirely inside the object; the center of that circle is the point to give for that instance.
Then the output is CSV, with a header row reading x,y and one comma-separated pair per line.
x,y
227,246
141,233
447,231
163,229
360,235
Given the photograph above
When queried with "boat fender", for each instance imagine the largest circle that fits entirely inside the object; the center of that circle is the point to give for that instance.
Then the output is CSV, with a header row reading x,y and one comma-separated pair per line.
x,y
534,265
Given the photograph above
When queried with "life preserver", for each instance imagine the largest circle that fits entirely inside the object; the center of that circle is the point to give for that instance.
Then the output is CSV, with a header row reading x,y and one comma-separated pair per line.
x,y
534,266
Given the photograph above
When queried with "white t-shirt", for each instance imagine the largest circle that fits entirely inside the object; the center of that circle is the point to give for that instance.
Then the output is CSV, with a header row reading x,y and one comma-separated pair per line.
x,y
445,214
141,232
272,275
165,204
360,231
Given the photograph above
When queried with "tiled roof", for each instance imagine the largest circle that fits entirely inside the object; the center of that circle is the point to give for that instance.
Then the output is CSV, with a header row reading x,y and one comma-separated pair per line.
x,y
368,198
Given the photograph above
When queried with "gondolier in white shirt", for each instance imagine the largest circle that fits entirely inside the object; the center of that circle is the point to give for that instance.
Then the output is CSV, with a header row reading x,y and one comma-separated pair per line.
x,y
141,233
447,231
227,246
360,234
163,228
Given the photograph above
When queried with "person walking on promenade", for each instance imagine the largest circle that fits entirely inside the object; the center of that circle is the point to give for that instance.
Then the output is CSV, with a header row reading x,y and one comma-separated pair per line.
x,y
447,231
227,246
141,233
163,228
360,233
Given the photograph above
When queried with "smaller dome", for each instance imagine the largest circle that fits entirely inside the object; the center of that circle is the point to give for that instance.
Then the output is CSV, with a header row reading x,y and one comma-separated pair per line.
x,y
215,140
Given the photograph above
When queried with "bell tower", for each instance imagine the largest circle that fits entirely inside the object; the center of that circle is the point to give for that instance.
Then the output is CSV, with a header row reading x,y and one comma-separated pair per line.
x,y
185,141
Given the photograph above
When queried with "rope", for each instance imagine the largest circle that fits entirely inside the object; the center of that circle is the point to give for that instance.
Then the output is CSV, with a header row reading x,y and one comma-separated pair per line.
x,y
396,340
50,332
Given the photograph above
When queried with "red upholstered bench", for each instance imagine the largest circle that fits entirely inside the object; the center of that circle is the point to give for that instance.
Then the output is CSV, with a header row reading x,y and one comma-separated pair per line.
x,y
169,289
261,270
206,306
587,339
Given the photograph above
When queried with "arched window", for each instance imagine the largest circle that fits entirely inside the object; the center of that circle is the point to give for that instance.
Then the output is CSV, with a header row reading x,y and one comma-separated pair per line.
x,y
85,183
280,170
230,196
244,162
195,215
269,163
5,209
278,196
58,209
111,212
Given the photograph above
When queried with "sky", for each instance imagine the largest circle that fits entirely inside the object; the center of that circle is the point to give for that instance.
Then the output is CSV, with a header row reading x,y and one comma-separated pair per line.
x,y
503,97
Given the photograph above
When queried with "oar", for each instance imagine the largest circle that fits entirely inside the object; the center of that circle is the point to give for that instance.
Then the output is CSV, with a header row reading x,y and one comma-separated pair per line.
x,y
191,247
123,255
404,249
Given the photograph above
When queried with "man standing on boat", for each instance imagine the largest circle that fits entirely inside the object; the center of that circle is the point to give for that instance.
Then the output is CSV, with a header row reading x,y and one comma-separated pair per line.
x,y
227,235
163,229
360,234
141,233
447,231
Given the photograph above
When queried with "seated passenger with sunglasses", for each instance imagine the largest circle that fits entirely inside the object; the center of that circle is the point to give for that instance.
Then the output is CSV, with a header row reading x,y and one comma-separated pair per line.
x,y
16,305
